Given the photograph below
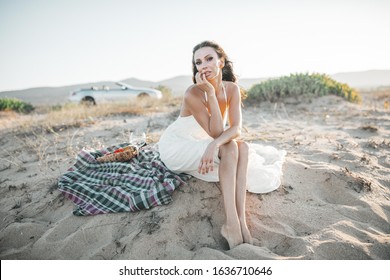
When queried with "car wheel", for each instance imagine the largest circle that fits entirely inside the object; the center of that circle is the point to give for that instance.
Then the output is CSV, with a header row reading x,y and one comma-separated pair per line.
x,y
143,95
88,101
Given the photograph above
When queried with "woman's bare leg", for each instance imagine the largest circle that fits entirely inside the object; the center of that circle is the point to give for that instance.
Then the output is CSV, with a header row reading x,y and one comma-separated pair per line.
x,y
231,230
242,171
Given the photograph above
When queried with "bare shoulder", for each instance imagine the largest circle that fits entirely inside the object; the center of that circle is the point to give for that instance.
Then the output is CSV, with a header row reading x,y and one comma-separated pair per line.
x,y
232,89
193,98
192,92
191,88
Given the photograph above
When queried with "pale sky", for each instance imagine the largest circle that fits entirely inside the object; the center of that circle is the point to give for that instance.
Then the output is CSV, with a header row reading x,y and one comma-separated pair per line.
x,y
65,42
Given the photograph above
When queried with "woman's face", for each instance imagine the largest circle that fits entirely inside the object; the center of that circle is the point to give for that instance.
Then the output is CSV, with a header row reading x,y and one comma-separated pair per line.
x,y
207,62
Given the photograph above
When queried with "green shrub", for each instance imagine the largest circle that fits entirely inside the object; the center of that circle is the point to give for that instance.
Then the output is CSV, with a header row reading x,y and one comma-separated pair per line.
x,y
13,104
300,85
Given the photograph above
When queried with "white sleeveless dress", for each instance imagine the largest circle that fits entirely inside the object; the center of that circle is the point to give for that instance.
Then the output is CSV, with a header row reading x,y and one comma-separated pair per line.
x,y
183,143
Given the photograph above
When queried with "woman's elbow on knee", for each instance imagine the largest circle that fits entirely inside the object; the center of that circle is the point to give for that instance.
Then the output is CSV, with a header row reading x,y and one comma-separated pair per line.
x,y
238,132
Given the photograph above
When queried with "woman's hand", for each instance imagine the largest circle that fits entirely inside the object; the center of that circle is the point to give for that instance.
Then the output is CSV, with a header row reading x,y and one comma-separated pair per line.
x,y
206,164
204,84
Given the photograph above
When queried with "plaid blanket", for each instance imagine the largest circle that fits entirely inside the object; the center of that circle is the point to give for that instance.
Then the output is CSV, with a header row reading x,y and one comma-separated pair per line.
x,y
97,188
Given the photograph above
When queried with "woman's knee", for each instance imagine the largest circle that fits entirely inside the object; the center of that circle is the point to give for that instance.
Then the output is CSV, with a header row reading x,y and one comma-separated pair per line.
x,y
243,148
229,149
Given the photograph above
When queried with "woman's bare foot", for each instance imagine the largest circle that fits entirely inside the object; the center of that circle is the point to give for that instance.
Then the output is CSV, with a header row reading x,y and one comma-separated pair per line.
x,y
246,235
233,237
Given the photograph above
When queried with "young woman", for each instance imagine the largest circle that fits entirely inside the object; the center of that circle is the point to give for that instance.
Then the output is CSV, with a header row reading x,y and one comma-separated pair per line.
x,y
201,144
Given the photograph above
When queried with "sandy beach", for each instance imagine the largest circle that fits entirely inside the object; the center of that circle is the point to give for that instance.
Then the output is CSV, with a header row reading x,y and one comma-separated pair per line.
x,y
334,201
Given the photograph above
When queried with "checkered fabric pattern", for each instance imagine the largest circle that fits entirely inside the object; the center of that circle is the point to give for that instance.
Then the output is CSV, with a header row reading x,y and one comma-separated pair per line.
x,y
110,187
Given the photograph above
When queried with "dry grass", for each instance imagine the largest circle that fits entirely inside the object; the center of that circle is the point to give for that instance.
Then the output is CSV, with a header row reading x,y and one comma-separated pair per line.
x,y
52,120
381,94
378,98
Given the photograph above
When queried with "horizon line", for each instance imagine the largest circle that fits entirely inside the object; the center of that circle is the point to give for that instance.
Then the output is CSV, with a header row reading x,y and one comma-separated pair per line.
x,y
183,75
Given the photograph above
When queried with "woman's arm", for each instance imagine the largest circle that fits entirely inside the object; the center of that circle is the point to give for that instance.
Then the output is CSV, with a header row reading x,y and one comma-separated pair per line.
x,y
235,120
235,117
209,118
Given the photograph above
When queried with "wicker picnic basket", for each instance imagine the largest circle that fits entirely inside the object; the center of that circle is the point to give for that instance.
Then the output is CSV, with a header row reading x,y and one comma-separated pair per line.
x,y
122,154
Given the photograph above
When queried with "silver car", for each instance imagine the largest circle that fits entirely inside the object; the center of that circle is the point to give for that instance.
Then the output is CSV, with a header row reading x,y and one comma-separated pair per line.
x,y
119,92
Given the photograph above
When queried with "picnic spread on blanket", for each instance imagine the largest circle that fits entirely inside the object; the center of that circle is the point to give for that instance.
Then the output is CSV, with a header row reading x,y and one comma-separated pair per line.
x,y
109,186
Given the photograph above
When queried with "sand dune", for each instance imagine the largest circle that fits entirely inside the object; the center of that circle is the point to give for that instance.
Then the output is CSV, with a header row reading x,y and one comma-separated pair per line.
x,y
334,201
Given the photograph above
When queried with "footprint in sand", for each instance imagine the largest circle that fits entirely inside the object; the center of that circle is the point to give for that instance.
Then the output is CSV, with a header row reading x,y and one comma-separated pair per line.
x,y
195,233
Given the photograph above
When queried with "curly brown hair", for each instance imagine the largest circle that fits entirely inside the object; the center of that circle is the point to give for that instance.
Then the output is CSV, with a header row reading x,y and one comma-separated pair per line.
x,y
227,70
